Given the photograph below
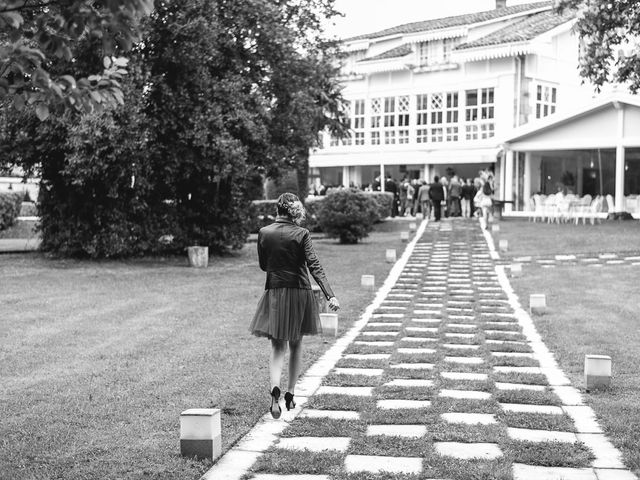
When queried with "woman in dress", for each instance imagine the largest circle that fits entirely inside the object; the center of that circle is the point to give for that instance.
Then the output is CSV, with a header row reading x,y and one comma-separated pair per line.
x,y
288,308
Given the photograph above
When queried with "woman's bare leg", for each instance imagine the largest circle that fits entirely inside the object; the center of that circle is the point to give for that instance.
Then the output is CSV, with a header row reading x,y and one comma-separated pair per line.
x,y
295,359
276,361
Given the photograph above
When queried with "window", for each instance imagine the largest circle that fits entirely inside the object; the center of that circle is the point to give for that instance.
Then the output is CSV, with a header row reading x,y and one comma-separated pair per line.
x,y
448,45
423,53
438,112
545,100
479,114
358,122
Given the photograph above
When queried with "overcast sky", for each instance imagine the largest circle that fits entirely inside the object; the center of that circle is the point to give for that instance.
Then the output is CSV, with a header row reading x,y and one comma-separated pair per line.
x,y
366,16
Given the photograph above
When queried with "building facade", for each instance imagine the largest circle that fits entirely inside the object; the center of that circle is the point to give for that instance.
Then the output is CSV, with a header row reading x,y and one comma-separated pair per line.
x,y
446,94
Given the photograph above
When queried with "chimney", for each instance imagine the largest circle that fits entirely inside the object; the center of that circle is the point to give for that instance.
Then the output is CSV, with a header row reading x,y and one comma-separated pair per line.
x,y
501,4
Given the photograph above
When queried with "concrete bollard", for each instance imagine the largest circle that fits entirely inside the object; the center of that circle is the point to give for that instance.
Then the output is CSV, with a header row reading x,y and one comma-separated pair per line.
x,y
537,303
323,305
503,245
516,269
368,281
198,256
419,216
597,371
391,255
495,228
413,227
329,323
200,433
404,236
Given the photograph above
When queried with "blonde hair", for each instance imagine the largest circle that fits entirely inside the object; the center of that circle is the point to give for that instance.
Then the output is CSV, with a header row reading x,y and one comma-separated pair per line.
x,y
291,206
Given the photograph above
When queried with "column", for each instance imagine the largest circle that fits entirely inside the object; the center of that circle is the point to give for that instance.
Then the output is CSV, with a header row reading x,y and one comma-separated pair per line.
x,y
382,178
356,176
526,193
508,180
345,176
619,193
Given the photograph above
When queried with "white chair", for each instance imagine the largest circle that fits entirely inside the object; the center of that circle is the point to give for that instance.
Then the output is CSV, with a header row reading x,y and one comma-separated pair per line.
x,y
581,209
537,204
550,209
565,203
611,205
597,207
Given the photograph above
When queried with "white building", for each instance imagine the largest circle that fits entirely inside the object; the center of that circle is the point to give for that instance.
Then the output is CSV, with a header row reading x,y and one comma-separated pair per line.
x,y
454,92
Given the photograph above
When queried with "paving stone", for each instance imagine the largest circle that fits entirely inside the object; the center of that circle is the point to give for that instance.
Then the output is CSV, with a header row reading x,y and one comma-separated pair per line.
x,y
429,305
464,360
461,317
422,329
459,335
464,376
279,476
466,394
380,343
410,431
460,346
426,320
405,382
233,465
416,351
378,333
332,414
470,418
534,472
583,418
419,339
368,372
426,312
383,324
530,408
367,356
413,366
465,451
401,404
501,342
465,326
607,456
519,386
541,435
568,395
614,474
314,444
353,391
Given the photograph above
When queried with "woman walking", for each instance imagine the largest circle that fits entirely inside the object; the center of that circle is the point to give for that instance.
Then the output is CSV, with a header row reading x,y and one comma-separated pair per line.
x,y
288,308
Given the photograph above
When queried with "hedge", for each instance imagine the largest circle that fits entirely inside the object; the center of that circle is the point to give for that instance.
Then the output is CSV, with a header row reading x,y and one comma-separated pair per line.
x,y
349,215
10,204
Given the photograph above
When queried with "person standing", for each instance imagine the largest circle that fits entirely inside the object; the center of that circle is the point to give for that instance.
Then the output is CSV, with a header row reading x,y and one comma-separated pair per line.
x,y
288,309
484,200
436,194
391,187
455,191
468,194
423,200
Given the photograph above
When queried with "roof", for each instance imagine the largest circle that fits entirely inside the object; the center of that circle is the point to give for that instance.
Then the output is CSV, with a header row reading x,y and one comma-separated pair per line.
x,y
521,31
454,21
613,99
396,52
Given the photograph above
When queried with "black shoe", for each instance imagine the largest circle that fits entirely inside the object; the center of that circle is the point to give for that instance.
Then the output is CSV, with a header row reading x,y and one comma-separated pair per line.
x,y
288,401
275,409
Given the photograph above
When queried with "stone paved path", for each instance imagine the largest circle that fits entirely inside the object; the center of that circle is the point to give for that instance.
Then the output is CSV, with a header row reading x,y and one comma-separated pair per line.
x,y
444,377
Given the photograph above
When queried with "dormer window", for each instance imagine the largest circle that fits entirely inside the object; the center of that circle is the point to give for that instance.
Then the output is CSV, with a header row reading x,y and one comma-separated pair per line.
x,y
436,52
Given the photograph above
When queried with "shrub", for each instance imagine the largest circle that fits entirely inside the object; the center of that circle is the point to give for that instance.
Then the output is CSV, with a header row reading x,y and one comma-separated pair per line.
x,y
348,215
313,205
262,213
9,208
384,201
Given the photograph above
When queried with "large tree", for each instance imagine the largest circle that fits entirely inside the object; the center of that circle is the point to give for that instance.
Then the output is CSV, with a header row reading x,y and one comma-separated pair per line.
x,y
609,32
36,34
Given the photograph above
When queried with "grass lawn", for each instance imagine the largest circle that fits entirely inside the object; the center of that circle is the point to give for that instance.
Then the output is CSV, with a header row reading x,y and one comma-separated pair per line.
x,y
20,229
544,239
98,359
590,311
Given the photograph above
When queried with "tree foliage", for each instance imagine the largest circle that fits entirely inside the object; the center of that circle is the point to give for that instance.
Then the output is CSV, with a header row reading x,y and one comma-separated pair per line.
x,y
348,215
36,35
608,31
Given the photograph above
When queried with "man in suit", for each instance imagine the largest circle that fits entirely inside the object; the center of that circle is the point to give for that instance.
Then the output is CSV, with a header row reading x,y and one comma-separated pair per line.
x,y
436,194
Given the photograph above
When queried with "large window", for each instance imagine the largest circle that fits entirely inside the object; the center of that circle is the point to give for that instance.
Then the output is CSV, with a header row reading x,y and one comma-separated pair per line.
x,y
479,114
358,122
437,117
545,100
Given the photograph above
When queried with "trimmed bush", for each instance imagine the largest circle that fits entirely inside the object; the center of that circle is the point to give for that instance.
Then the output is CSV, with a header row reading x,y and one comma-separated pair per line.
x,y
313,205
348,215
262,213
10,204
384,201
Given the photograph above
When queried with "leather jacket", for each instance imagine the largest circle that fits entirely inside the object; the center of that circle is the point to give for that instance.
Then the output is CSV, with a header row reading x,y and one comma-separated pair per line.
x,y
284,252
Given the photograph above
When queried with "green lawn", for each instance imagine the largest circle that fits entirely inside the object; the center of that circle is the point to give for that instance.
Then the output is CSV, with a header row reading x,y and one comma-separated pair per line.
x,y
544,239
20,229
98,359
590,311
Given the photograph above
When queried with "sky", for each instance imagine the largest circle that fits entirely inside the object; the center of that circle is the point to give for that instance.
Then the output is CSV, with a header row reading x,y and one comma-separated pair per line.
x,y
366,16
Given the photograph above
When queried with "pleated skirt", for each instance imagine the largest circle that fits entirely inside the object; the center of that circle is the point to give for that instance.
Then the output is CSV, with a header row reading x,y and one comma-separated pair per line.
x,y
286,314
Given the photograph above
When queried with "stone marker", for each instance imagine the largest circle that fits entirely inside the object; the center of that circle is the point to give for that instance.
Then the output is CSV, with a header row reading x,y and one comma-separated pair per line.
x,y
200,433
404,236
391,255
329,322
597,371
495,228
368,281
503,245
419,216
537,302
516,269
412,227
198,256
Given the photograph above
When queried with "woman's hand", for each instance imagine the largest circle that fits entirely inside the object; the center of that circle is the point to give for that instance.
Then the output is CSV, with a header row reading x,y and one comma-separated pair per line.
x,y
334,304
